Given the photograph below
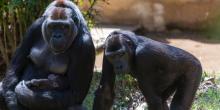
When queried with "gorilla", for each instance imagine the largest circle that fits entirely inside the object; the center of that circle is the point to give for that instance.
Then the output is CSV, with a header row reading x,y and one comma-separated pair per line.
x,y
53,67
161,70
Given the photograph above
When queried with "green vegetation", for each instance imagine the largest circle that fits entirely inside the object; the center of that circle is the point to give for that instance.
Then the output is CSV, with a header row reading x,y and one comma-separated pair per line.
x,y
125,89
16,16
95,82
213,31
210,100
129,96
208,96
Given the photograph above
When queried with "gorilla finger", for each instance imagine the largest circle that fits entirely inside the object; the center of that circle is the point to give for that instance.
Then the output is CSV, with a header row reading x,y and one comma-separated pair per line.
x,y
28,83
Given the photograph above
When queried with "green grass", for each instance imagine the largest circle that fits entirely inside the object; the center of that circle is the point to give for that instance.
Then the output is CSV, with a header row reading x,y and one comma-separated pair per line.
x,y
123,90
209,100
126,88
89,98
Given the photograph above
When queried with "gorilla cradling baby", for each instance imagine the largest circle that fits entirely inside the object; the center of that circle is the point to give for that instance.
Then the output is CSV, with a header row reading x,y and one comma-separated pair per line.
x,y
53,67
160,69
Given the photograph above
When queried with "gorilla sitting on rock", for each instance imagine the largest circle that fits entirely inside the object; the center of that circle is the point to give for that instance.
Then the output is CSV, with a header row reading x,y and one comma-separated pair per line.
x,y
53,67
160,69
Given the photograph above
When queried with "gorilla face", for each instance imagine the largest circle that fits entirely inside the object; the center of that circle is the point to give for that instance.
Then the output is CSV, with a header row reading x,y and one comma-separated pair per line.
x,y
59,29
119,53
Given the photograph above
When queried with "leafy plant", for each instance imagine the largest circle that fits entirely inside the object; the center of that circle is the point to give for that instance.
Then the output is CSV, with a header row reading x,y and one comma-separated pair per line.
x,y
209,100
128,95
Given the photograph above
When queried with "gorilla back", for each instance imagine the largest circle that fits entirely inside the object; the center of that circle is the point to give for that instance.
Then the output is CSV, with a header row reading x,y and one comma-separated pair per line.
x,y
48,66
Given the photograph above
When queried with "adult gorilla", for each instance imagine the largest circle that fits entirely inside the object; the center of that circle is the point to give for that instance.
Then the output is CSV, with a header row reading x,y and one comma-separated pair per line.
x,y
161,70
53,67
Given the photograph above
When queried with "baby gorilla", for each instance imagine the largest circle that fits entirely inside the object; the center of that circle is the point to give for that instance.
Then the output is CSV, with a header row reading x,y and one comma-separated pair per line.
x,y
161,70
30,93
56,82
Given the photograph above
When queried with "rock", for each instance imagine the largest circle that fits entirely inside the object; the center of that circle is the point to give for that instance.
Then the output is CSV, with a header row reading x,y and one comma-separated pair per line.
x,y
100,33
142,106
155,15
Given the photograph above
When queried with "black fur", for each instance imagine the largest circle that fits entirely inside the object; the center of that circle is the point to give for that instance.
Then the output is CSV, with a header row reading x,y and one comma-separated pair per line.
x,y
161,70
20,89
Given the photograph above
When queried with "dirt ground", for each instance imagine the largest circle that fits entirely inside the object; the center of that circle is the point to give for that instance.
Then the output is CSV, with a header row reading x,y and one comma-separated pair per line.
x,y
206,50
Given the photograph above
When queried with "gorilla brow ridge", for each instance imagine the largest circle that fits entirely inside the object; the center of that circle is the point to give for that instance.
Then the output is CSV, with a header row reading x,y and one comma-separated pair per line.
x,y
112,42
59,13
60,3
124,35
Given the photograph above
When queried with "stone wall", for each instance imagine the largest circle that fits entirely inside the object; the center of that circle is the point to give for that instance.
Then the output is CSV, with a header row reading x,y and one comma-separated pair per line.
x,y
157,14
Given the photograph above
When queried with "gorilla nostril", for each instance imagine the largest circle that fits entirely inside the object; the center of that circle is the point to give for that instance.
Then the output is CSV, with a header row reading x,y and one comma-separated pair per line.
x,y
57,36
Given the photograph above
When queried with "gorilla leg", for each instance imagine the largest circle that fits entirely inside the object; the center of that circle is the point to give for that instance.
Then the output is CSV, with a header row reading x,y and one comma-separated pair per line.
x,y
166,94
1,90
165,106
2,102
185,92
154,101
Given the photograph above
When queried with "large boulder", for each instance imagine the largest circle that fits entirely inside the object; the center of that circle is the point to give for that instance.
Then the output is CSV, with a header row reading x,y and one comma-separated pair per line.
x,y
158,14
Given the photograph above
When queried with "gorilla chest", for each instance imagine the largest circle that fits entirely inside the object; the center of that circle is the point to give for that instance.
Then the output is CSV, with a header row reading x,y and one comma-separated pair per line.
x,y
43,58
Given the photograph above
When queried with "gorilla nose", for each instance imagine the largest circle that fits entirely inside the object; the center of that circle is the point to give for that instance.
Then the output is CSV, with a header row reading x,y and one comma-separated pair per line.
x,y
57,36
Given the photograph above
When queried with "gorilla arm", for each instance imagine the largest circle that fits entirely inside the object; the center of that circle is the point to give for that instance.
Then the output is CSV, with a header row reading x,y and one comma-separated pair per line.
x,y
80,74
19,61
53,82
104,95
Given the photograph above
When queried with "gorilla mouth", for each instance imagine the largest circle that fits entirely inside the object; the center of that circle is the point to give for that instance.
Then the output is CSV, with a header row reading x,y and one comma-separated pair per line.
x,y
57,46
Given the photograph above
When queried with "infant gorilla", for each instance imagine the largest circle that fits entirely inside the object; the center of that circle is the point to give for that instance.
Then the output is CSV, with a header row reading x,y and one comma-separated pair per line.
x,y
53,81
30,93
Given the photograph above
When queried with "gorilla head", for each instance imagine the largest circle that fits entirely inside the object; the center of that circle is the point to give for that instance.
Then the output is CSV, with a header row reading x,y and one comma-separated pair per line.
x,y
60,28
119,51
